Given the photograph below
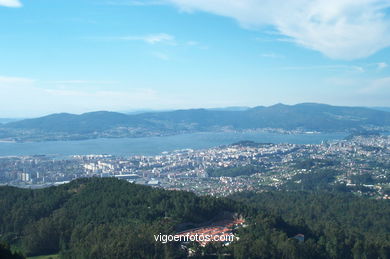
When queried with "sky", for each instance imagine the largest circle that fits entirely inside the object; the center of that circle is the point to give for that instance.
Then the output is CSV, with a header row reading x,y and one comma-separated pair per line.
x,y
79,56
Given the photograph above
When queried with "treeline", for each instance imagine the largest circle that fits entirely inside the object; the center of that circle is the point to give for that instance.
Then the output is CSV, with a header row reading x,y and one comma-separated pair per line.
x,y
100,218
110,218
6,253
335,225
318,179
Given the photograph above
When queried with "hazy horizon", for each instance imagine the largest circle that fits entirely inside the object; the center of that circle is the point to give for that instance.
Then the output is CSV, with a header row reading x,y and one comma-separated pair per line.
x,y
146,110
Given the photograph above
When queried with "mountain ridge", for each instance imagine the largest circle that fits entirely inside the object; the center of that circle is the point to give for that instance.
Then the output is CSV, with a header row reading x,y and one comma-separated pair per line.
x,y
302,117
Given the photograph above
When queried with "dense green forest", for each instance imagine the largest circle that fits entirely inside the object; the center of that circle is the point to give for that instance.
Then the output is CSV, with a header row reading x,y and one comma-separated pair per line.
x,y
110,218
106,217
6,253
335,224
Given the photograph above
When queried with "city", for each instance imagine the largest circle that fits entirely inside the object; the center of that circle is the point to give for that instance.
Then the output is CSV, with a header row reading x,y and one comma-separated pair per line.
x,y
359,164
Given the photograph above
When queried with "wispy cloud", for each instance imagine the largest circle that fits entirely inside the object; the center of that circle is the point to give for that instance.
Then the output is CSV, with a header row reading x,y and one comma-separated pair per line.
x,y
134,2
192,43
327,67
382,65
119,95
376,86
10,3
340,29
343,81
149,38
82,82
153,39
28,97
6,80
271,55
160,55
196,44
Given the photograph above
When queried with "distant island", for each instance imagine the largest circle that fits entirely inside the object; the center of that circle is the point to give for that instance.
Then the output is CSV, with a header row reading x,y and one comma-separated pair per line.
x,y
299,118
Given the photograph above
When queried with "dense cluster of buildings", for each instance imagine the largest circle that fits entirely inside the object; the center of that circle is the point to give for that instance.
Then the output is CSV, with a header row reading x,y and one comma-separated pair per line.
x,y
362,161
221,231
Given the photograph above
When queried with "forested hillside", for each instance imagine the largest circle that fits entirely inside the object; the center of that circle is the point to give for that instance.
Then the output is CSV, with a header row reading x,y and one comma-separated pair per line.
x,y
100,217
335,225
110,218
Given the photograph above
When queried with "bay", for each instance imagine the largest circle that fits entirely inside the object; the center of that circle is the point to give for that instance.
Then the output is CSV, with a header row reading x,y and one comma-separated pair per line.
x,y
156,145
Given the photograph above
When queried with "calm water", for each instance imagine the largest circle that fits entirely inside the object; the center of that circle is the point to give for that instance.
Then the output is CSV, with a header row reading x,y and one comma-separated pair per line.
x,y
155,145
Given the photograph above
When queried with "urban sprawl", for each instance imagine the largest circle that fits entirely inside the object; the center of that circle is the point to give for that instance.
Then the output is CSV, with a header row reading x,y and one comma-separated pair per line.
x,y
359,164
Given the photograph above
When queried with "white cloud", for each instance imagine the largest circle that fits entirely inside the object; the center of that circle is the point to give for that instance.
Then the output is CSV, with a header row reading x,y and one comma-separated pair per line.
x,y
82,82
358,69
134,2
10,3
6,80
327,67
160,55
150,38
340,29
271,55
196,44
382,65
192,43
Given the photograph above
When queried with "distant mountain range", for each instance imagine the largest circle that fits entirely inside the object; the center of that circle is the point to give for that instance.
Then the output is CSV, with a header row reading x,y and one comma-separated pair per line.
x,y
386,109
301,117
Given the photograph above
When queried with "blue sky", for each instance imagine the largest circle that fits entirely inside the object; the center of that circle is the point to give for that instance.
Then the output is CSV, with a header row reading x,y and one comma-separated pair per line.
x,y
85,55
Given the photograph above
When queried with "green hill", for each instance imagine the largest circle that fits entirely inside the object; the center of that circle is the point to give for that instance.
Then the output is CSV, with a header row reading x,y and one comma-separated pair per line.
x,y
110,218
89,217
